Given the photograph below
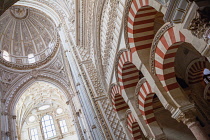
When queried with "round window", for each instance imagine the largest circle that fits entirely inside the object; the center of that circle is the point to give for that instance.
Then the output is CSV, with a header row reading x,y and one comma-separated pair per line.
x,y
31,119
59,110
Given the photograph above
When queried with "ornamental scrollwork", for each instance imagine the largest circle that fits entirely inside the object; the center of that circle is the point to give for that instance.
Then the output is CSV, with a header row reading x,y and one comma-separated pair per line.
x,y
157,37
200,25
187,117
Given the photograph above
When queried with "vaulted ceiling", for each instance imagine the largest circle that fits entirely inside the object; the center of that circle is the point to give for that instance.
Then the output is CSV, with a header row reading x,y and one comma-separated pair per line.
x,y
25,30
36,96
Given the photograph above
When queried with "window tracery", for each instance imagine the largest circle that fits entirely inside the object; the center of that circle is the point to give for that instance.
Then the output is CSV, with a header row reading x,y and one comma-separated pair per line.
x,y
34,134
63,126
48,126
46,121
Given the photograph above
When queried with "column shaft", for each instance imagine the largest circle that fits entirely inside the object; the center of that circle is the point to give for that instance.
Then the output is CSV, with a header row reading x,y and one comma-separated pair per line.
x,y
197,131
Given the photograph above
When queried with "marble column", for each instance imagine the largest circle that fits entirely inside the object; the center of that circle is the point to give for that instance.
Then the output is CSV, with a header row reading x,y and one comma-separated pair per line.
x,y
188,118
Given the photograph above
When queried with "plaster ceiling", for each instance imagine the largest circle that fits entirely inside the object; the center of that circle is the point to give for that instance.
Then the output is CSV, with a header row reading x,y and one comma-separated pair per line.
x,y
37,95
25,30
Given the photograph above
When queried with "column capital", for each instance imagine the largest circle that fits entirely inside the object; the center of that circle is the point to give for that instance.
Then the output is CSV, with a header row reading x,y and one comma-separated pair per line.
x,y
181,111
187,117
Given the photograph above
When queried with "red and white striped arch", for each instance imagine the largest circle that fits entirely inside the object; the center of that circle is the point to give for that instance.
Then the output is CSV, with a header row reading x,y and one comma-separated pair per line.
x,y
117,99
164,59
133,127
145,100
128,74
141,25
195,71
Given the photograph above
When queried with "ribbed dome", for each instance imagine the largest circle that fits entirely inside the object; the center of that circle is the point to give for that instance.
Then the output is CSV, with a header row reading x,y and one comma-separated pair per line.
x,y
25,31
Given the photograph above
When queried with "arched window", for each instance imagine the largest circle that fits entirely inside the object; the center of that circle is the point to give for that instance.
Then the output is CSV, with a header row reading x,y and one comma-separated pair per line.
x,y
48,127
63,126
31,58
34,134
6,55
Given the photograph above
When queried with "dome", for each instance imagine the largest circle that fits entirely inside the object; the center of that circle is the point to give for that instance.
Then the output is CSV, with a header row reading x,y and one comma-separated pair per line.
x,y
28,35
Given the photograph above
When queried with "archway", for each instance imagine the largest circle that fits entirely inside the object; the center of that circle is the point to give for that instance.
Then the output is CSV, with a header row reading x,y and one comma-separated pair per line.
x,y
128,74
143,22
119,105
134,127
145,105
168,124
164,65
192,77
117,100
15,95
45,103
157,117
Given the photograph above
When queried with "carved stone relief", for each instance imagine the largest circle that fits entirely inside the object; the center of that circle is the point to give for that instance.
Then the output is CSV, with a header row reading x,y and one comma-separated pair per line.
x,y
6,79
200,25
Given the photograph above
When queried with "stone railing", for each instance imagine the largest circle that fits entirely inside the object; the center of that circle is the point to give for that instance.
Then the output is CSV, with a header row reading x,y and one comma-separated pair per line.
x,y
25,60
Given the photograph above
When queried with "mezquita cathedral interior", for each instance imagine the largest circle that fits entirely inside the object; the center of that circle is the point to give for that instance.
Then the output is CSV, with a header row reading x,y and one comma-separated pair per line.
x,y
105,69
